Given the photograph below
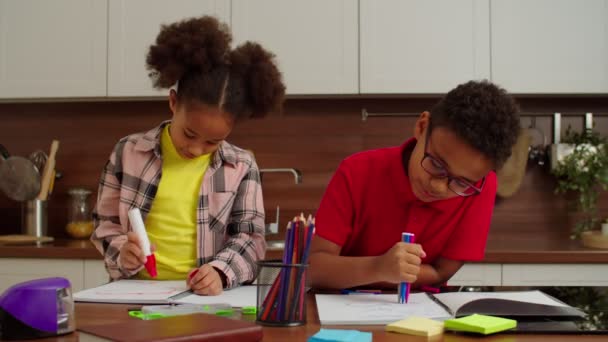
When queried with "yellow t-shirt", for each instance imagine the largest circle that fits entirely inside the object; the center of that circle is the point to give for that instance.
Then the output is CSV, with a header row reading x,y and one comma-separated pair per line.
x,y
171,223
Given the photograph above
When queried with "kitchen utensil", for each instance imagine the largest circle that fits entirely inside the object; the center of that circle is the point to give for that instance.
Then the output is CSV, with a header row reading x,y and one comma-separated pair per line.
x,y
19,178
537,153
39,158
512,173
49,168
4,152
34,218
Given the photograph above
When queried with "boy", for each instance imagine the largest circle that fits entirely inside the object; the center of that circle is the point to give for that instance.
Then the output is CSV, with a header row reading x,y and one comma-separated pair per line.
x,y
439,185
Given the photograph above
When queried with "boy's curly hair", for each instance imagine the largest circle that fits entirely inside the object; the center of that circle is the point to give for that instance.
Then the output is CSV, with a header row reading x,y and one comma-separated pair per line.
x,y
195,54
482,114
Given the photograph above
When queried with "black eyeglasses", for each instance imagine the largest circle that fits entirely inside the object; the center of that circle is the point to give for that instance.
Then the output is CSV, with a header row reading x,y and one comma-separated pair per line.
x,y
436,168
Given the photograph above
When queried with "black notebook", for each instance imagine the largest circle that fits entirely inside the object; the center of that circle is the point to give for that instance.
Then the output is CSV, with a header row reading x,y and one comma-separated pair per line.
x,y
520,305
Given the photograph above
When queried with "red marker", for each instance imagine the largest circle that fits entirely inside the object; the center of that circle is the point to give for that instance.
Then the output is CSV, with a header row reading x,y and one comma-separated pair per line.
x,y
191,275
137,223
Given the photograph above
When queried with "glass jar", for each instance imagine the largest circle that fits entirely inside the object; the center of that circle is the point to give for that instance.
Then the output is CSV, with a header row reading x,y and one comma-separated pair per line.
x,y
80,221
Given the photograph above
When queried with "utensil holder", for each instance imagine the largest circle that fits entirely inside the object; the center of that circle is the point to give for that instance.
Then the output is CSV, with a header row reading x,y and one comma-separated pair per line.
x,y
34,218
281,294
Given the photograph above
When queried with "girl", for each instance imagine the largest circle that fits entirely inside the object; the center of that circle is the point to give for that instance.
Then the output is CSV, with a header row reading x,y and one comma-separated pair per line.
x,y
200,196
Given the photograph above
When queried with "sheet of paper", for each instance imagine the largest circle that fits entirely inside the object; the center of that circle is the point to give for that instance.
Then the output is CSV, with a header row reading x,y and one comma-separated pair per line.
x,y
363,309
454,300
133,292
237,297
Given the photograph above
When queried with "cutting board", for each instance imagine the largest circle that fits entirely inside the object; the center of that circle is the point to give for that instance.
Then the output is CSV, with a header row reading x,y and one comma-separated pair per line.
x,y
24,239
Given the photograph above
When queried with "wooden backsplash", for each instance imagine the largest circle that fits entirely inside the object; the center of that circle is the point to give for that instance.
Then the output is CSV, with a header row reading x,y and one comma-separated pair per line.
x,y
312,135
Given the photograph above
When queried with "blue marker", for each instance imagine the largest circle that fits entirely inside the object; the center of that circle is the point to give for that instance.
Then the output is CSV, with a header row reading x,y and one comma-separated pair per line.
x,y
404,288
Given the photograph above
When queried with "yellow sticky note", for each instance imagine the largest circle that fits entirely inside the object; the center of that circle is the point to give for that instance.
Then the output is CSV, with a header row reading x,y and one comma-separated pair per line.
x,y
480,324
418,326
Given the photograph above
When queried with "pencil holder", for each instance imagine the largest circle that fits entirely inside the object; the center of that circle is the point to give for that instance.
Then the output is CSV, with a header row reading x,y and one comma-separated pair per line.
x,y
281,294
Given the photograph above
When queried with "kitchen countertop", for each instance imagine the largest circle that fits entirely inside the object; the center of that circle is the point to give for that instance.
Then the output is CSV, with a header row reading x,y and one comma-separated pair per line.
x,y
503,247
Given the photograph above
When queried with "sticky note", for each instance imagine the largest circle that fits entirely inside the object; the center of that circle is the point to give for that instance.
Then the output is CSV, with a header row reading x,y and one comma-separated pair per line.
x,y
418,326
480,324
340,335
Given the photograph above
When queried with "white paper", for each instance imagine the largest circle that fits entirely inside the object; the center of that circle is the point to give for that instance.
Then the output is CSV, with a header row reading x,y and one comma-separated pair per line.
x,y
455,300
237,297
133,292
370,309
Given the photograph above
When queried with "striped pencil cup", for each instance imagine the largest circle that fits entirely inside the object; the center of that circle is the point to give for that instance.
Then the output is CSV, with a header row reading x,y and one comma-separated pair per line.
x,y
281,294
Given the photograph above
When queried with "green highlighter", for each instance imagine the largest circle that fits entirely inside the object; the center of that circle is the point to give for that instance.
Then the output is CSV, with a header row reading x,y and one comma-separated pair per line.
x,y
162,311
480,324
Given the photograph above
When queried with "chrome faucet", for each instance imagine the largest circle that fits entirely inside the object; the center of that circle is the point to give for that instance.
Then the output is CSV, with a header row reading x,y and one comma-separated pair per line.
x,y
297,174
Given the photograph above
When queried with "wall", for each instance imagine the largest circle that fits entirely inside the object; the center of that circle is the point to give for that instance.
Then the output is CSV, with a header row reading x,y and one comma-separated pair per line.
x,y
312,135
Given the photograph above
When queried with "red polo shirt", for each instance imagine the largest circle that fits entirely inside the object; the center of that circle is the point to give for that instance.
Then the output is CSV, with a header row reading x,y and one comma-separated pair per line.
x,y
369,202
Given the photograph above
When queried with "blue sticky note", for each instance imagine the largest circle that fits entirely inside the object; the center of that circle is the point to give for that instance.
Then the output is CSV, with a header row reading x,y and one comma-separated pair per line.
x,y
340,335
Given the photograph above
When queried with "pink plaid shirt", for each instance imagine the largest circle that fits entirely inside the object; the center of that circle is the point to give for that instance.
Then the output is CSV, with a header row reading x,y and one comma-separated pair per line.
x,y
229,216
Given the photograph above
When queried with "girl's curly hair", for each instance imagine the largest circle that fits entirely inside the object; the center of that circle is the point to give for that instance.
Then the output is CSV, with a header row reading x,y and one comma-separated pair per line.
x,y
195,54
482,114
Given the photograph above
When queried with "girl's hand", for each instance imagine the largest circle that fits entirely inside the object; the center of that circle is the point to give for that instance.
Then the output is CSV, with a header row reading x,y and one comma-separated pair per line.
x,y
400,263
205,280
131,256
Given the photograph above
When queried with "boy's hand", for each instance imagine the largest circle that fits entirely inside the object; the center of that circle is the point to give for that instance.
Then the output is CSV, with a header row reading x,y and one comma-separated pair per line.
x,y
400,263
131,256
207,281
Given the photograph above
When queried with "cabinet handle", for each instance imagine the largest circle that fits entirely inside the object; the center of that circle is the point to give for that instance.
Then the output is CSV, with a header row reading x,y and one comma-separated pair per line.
x,y
365,114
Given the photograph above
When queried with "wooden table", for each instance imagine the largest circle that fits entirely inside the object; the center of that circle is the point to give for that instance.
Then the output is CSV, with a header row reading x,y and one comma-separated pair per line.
x,y
90,313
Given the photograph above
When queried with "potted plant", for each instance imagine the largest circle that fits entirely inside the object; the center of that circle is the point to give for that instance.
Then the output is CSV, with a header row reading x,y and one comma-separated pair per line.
x,y
583,170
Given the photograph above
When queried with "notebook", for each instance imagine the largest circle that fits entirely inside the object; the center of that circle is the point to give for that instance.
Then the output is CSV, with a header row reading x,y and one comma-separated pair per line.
x,y
370,309
129,291
480,324
196,327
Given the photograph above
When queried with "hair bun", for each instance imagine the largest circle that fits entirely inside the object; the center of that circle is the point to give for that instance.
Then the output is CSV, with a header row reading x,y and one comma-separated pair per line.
x,y
262,77
193,44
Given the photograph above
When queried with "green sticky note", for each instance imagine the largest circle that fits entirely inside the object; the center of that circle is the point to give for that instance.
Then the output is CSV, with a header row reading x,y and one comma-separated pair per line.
x,y
480,324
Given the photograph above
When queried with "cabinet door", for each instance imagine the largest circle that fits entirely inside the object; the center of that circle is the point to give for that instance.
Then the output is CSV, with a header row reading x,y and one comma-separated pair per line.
x,y
555,275
315,41
550,46
53,48
134,25
476,274
17,270
95,273
423,46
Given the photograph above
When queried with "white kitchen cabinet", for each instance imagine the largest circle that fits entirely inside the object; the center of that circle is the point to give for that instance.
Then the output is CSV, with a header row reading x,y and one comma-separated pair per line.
x,y
81,273
476,274
95,273
550,46
16,270
53,49
554,275
133,27
422,46
315,42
